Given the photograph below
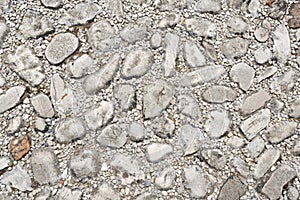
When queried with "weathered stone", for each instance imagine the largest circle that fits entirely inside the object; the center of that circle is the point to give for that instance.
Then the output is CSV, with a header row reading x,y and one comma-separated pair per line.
x,y
157,97
44,166
115,7
114,136
243,74
219,94
232,189
235,47
133,34
172,48
189,139
261,34
236,142
262,55
165,179
42,105
99,116
169,20
237,24
51,3
61,47
199,183
278,9
241,166
11,98
70,130
14,125
17,178
4,162
279,131
34,24
213,6
210,51
192,54
295,109
155,152
202,75
201,27
217,124
99,80
3,30
188,106
292,193
125,94
274,186
268,72
32,76
40,124
255,123
254,102
137,63
163,126
294,22
66,193
214,157
265,162
255,147
106,191
254,8
282,46
155,40
84,164
285,82
136,131
82,66
19,146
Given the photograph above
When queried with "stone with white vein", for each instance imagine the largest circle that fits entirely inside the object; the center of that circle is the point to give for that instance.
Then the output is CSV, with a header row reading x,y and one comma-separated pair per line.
x,y
254,102
282,46
42,105
219,94
11,98
217,124
156,152
192,54
18,178
172,48
243,74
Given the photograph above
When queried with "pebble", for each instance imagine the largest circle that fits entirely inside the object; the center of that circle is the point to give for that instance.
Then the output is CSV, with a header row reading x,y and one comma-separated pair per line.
x,y
188,106
262,34
82,66
66,193
40,124
19,147
4,162
282,46
136,131
241,166
268,72
171,49
262,55
214,157
2,80
52,3
163,126
237,25
156,152
192,54
219,94
294,22
42,105
235,142
292,193
113,135
254,102
69,130
134,34
165,179
61,47
211,6
232,189
236,47
17,178
14,125
254,8
255,147
125,94
105,191
295,108
155,40
201,27
217,124
170,20
243,74
281,130
255,123
284,82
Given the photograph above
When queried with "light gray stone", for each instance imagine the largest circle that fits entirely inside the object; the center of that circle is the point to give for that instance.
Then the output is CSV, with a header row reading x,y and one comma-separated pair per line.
x,y
165,179
169,20
265,161
156,152
134,34
236,47
99,116
190,139
255,123
235,4
69,130
254,102
155,40
262,55
255,147
199,183
3,30
268,72
201,27
212,6
210,51
295,108
4,162
82,66
115,7
40,124
281,130
84,164
14,125
51,3
17,178
235,142
284,83
67,194
11,98
214,157
282,46
241,166
219,94
2,80
42,105
262,34
292,193
44,166
192,54
243,74
99,80
237,24
125,94
61,47
217,124
113,135
254,8
188,106
137,63
274,186
146,196
163,126
105,191
136,131
232,189
32,76
157,97
172,48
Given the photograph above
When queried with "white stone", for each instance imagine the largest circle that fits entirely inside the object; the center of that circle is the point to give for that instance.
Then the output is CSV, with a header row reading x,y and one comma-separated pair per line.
x,y
235,47
155,152
11,98
217,124
201,27
261,34
262,55
295,108
17,178
82,66
268,72
4,162
265,162
214,157
42,105
255,147
105,191
241,166
237,24
172,48
213,6
169,20
219,94
281,130
243,74
3,29
282,46
14,125
136,131
125,94
69,130
51,3
155,40
113,135
188,106
254,102
192,54
166,178
134,34
67,194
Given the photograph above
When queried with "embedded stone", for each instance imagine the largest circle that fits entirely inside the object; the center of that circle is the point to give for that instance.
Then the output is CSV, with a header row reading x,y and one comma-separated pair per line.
x,y
237,24
235,47
163,126
261,34
172,48
232,189
265,162
11,98
66,193
51,3
114,136
279,131
82,66
155,152
295,109
42,105
165,179
212,6
136,131
217,124
105,191
133,34
188,106
155,40
219,94
192,54
282,46
262,55
284,82
70,130
255,147
214,157
243,74
201,27
241,166
3,31
255,102
4,162
125,94
19,146
17,178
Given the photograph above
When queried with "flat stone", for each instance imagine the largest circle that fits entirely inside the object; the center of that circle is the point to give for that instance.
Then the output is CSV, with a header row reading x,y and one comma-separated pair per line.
x,y
4,162
217,124
292,193
61,47
241,166
170,20
163,126
19,146
172,48
3,30
125,94
295,108
255,147
14,125
232,189
51,3
99,80
237,24
274,186
262,55
44,166
137,63
188,106
134,34
82,66
200,183
99,116
40,124
157,97
69,130
262,34
66,193
156,152
155,40
234,48
214,157
17,178
255,123
279,131
265,161
42,105
243,74
165,179
202,75
285,82
268,72
84,164
254,8
34,24
236,142
201,27
219,94
105,191
254,102
192,54
190,139
11,98
282,46
136,131
212,6
114,136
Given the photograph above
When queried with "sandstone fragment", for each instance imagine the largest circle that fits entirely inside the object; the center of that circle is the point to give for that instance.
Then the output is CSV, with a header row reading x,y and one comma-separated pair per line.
x,y
19,146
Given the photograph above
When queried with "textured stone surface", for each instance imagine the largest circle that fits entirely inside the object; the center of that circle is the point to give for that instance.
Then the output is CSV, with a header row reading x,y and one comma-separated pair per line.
x,y
19,146
279,131
114,136
232,189
219,94
281,39
172,44
42,105
155,152
235,47
254,102
201,27
188,106
18,178
217,124
193,56
70,130
243,74
265,162
11,98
